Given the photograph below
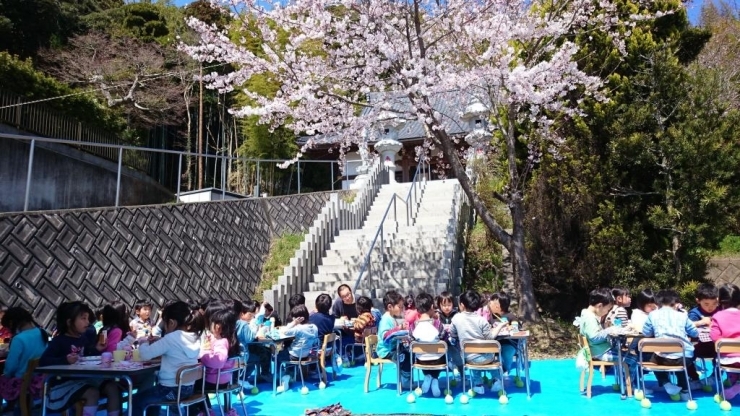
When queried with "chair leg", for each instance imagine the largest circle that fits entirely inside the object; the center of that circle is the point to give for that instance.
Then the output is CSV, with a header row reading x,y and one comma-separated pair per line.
x,y
627,379
368,370
380,374
218,400
581,387
603,372
590,381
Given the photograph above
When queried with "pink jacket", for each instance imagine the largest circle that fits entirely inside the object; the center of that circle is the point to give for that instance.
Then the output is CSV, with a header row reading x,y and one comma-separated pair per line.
x,y
114,337
726,324
217,358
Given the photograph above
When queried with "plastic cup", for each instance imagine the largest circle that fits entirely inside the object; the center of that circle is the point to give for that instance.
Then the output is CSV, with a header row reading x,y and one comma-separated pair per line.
x,y
119,355
135,355
106,359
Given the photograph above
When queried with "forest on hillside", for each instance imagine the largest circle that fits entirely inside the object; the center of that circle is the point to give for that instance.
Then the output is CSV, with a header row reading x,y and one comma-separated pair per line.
x,y
642,190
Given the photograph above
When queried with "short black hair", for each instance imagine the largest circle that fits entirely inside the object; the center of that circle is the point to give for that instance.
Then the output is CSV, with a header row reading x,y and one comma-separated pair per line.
x,y
470,299
323,303
707,291
392,298
364,304
343,286
445,297
424,302
300,311
645,297
618,291
667,297
250,306
409,301
729,296
142,303
602,296
295,300
504,301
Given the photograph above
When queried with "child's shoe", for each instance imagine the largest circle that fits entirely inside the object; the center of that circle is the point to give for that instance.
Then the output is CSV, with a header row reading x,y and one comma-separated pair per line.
x,y
497,386
435,388
426,384
479,389
684,396
671,389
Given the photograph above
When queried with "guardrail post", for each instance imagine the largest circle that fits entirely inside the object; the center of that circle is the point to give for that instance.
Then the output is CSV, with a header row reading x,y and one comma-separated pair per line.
x,y
257,185
223,178
299,177
179,177
18,112
28,175
118,175
332,175
382,245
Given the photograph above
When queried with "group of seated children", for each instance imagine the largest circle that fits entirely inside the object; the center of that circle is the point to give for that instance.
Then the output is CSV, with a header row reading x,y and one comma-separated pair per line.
x,y
661,315
429,324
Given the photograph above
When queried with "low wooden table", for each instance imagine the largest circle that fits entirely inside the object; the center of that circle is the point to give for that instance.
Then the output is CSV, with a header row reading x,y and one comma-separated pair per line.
x,y
89,370
522,354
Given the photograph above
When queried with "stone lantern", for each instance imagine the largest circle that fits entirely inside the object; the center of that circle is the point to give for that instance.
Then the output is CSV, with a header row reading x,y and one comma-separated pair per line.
x,y
388,146
479,138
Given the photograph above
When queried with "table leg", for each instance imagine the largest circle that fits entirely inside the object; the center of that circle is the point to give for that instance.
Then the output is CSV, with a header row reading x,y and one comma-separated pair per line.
x,y
398,370
45,402
525,354
620,369
130,383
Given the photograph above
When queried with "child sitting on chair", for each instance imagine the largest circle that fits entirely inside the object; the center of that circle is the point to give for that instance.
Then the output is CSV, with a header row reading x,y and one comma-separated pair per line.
x,y
428,329
469,326
386,348
365,318
667,322
726,324
707,304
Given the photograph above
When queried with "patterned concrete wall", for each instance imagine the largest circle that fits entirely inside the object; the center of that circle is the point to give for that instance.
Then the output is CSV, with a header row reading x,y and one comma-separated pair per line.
x,y
723,270
185,251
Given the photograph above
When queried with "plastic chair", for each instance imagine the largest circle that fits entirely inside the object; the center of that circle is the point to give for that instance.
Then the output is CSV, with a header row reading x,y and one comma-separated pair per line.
x,y
482,347
371,344
236,373
439,347
327,351
351,347
307,361
186,375
725,346
25,400
662,345
602,364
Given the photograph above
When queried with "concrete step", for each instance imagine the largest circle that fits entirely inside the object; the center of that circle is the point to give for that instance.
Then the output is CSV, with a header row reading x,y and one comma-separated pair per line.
x,y
411,245
376,264
337,259
429,284
421,232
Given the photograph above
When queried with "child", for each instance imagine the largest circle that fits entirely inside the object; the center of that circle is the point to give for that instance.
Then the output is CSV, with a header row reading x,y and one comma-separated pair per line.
x,y
618,314
386,348
410,315
707,304
483,310
668,322
29,342
428,329
645,303
99,322
323,320
305,337
73,319
142,324
445,312
180,346
498,306
222,346
116,324
726,324
270,313
600,302
469,326
5,332
365,318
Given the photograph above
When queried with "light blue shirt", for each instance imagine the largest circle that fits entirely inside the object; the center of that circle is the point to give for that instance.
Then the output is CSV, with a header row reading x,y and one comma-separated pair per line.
x,y
24,347
667,322
387,322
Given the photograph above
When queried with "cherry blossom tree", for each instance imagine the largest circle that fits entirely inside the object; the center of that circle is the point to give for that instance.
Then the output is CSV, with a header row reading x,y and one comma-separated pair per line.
x,y
514,57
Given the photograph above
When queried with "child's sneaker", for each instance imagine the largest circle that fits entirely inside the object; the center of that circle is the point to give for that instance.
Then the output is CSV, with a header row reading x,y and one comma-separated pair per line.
x,y
497,386
426,384
671,389
479,389
684,396
435,388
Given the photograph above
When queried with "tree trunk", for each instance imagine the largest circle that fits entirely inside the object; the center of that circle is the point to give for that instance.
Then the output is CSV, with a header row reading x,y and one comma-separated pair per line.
x,y
523,273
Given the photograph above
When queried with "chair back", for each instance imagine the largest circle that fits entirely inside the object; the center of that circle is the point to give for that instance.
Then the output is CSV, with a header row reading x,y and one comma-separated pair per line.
x,y
727,346
238,366
481,347
663,345
439,347
373,330
371,344
329,340
25,401
189,374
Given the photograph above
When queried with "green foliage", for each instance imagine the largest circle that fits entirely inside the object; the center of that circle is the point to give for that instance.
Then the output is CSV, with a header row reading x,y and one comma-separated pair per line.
x,y
20,77
144,21
484,262
729,245
687,293
282,250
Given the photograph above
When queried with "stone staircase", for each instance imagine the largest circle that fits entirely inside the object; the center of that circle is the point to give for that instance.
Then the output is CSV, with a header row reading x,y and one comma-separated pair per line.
x,y
414,258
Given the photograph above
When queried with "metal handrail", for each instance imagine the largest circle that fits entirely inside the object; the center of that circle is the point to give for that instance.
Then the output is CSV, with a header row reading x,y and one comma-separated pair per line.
x,y
422,167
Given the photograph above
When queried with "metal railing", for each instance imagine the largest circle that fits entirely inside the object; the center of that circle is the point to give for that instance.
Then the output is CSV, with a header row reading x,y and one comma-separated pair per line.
x,y
39,119
119,149
415,193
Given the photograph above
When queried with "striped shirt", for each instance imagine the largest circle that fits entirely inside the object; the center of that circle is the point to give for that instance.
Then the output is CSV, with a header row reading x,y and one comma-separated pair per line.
x,y
667,322
618,312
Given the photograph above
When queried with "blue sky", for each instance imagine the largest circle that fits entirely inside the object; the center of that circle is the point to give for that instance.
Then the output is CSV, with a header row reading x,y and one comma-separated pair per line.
x,y
694,8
